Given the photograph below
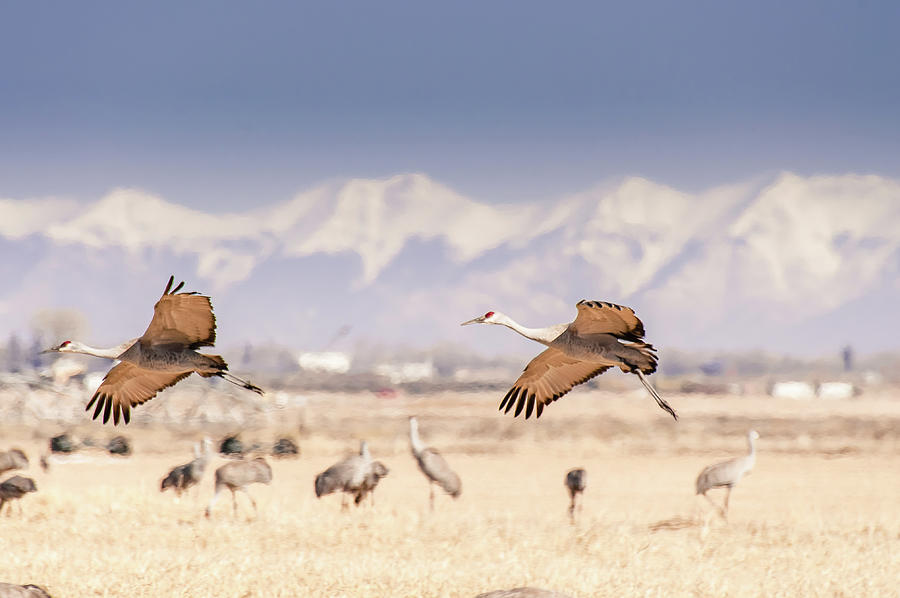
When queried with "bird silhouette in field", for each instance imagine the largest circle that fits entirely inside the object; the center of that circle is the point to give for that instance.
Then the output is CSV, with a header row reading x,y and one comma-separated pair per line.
x,y
237,475
165,354
356,475
576,482
15,488
12,459
727,473
603,335
182,477
432,465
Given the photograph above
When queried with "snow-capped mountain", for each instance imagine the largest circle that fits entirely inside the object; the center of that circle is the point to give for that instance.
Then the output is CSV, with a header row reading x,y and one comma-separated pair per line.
x,y
793,264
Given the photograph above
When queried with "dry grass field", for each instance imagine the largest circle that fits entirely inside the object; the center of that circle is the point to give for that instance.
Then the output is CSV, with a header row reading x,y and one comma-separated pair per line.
x,y
819,516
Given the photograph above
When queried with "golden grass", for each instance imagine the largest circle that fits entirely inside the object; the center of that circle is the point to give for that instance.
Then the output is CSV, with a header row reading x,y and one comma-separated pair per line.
x,y
818,517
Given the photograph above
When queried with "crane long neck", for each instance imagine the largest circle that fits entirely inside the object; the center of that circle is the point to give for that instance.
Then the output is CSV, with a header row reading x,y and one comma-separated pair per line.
x,y
544,336
364,451
110,353
414,440
751,454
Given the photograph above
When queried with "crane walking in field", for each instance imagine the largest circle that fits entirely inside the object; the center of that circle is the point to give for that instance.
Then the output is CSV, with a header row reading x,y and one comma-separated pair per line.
x,y
727,473
576,482
184,476
357,475
13,459
433,465
603,335
15,488
162,356
237,475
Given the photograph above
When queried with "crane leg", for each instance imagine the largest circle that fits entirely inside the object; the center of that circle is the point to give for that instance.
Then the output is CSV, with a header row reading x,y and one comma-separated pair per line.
x,y
344,505
252,502
234,502
431,496
715,506
725,510
659,401
571,505
213,500
229,377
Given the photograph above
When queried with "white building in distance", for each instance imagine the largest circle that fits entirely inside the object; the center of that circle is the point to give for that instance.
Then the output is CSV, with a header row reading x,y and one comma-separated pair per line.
x,y
329,362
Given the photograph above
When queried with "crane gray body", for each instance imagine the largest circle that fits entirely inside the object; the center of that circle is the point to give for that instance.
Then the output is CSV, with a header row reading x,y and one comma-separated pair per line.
x,y
185,476
727,473
433,465
576,482
356,475
13,459
9,590
15,488
237,475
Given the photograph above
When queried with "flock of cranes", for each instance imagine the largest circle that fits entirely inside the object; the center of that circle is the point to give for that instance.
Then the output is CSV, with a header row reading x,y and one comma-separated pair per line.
x,y
602,336
358,475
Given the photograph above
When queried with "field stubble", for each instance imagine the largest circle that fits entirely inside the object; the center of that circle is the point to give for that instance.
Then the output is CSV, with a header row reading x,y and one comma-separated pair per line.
x,y
819,515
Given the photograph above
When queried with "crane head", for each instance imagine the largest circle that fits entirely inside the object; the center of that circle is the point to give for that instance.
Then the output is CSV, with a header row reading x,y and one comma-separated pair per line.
x,y
64,347
488,318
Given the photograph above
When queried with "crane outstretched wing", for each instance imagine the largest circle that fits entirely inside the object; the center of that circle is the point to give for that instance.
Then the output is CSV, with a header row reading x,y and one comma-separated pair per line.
x,y
546,378
127,385
600,317
181,319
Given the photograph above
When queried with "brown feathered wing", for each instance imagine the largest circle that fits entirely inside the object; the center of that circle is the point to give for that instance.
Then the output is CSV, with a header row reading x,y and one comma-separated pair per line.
x,y
127,385
600,317
181,319
547,377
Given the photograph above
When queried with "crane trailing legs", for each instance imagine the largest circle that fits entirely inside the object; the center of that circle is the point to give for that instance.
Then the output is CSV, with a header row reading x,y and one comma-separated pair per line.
x,y
165,354
603,335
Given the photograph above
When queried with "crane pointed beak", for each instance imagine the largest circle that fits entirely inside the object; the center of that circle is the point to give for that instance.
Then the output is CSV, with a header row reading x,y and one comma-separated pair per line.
x,y
477,320
50,350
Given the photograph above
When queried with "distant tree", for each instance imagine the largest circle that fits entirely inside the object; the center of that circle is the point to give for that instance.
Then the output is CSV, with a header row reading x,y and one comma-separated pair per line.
x,y
57,325
847,355
13,358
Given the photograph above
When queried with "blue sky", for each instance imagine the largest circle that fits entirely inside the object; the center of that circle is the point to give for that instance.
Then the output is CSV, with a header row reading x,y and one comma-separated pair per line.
x,y
221,105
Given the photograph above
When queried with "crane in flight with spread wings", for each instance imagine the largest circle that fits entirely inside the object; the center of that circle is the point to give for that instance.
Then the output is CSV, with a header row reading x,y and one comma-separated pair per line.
x,y
165,354
603,335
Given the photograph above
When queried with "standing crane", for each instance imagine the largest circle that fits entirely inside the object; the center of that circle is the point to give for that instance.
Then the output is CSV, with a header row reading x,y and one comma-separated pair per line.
x,y
727,473
184,476
15,488
603,335
576,482
433,465
13,459
357,475
237,475
165,354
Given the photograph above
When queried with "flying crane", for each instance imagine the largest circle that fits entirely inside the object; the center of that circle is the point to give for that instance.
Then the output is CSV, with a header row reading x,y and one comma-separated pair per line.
x,y
165,354
603,335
